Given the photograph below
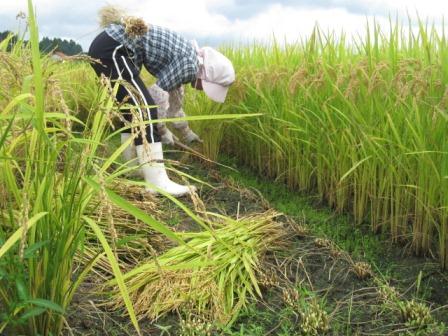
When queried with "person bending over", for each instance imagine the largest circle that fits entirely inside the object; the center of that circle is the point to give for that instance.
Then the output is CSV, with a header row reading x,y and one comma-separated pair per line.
x,y
125,46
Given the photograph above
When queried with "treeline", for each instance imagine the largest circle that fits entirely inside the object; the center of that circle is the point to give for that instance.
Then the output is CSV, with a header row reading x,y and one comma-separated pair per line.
x,y
68,47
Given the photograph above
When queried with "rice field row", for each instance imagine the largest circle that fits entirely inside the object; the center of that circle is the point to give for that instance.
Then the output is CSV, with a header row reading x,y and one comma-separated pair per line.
x,y
361,123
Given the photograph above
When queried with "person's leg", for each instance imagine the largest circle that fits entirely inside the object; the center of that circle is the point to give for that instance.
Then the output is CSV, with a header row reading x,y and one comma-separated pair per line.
x,y
102,50
161,98
149,149
176,101
110,55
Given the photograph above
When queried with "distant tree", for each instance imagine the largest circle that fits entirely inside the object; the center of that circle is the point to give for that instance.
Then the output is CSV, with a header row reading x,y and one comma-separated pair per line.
x,y
47,45
4,35
68,47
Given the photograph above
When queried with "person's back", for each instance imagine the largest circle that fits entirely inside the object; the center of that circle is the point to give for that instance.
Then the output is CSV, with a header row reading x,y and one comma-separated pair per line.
x,y
166,55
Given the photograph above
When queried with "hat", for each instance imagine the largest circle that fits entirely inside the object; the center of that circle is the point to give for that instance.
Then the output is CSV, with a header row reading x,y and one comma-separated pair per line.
x,y
217,74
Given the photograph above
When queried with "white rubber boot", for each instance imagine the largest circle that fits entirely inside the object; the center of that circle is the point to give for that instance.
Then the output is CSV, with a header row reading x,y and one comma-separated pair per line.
x,y
154,172
130,156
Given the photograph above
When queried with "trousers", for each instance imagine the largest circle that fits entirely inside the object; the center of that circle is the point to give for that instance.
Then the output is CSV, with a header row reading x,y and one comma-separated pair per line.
x,y
116,63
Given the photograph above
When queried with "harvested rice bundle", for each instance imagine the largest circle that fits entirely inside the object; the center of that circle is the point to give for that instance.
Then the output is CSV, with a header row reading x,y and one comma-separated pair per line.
x,y
215,273
132,240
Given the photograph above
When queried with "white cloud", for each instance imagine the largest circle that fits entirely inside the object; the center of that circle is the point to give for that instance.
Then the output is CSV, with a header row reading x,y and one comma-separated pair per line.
x,y
293,24
195,19
432,9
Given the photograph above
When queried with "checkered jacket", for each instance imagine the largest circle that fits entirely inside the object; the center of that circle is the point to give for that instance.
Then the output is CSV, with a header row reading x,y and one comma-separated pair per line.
x,y
166,55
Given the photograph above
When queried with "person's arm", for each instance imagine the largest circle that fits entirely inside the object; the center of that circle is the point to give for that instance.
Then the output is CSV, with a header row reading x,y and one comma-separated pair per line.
x,y
175,110
180,71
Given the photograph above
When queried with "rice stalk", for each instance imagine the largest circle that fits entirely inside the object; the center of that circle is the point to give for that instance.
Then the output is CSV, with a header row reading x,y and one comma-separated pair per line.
x,y
214,277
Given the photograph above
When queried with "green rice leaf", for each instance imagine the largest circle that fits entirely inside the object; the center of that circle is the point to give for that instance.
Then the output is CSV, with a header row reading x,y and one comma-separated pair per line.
x,y
116,270
352,169
16,101
18,234
33,312
47,305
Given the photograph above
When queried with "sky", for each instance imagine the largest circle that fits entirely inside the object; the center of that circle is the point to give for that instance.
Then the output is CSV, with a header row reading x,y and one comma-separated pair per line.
x,y
212,22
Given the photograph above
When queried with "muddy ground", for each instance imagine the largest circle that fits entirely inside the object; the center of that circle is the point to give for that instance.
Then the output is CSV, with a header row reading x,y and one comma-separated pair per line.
x,y
313,277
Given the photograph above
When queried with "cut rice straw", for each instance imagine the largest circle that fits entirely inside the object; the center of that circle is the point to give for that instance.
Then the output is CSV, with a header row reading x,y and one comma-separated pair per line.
x,y
206,275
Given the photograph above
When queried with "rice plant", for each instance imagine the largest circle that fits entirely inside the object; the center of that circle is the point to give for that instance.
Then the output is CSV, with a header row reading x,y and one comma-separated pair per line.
x,y
361,123
46,193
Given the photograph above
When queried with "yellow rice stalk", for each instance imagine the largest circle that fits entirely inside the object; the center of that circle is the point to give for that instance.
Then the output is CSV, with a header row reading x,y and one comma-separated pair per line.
x,y
134,240
213,276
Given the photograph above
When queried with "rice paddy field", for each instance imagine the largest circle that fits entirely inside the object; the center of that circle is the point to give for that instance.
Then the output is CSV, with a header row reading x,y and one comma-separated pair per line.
x,y
322,203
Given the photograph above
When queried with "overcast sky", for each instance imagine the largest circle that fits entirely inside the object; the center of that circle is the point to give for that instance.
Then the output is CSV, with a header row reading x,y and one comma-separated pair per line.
x,y
215,21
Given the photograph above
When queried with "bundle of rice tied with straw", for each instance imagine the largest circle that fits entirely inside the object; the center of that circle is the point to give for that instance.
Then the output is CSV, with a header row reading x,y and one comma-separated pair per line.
x,y
214,273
